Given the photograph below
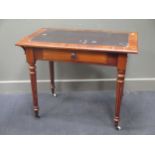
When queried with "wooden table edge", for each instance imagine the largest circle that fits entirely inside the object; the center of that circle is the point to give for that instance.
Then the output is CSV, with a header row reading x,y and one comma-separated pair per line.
x,y
132,48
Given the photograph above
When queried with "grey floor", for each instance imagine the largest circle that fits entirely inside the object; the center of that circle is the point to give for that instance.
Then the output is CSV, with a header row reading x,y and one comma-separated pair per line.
x,y
86,113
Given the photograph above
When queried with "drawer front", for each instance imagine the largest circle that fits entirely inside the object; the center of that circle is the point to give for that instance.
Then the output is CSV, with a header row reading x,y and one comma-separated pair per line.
x,y
77,56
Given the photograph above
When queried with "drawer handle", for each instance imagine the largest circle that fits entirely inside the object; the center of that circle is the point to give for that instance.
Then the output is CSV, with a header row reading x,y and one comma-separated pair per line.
x,y
73,55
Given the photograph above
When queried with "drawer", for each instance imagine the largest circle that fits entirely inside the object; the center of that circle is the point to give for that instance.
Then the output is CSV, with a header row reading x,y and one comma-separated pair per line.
x,y
77,56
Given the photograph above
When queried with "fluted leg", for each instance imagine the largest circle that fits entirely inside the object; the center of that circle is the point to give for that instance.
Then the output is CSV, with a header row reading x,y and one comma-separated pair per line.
x,y
121,68
119,93
123,86
51,70
32,69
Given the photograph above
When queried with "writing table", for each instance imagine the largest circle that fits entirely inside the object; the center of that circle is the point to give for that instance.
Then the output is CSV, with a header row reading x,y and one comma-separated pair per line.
x,y
79,46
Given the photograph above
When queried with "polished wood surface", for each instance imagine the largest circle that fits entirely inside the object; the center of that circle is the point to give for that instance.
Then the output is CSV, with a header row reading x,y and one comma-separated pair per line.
x,y
33,76
79,46
76,56
121,69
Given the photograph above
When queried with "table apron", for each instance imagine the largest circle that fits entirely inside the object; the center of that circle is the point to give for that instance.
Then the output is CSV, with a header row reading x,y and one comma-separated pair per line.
x,y
76,56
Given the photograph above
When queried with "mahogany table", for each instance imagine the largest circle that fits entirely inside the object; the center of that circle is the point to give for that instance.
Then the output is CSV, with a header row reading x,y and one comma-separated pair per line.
x,y
79,46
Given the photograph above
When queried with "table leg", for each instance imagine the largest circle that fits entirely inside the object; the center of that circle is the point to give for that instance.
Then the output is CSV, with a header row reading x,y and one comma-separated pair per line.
x,y
51,70
32,70
119,94
123,87
121,68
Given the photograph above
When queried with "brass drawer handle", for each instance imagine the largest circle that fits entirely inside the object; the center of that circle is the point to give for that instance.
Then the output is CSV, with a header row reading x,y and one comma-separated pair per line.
x,y
73,55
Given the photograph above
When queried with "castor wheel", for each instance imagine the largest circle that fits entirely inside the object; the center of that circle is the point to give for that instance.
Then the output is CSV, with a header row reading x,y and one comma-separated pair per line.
x,y
37,114
118,127
54,94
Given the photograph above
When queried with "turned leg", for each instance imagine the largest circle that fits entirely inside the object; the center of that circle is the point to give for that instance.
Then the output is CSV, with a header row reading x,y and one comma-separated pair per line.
x,y
123,86
51,70
119,93
32,69
119,88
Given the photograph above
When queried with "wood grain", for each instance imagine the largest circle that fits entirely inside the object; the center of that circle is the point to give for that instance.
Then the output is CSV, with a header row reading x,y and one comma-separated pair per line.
x,y
33,76
81,56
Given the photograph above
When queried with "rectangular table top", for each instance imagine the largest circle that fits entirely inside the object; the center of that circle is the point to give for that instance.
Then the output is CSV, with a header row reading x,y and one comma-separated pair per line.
x,y
82,40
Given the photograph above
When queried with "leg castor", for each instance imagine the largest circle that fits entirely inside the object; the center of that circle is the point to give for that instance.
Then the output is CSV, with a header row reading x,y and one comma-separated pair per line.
x,y
54,94
118,127
36,114
116,123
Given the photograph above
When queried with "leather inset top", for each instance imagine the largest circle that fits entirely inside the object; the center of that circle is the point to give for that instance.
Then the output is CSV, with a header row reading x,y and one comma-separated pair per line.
x,y
83,37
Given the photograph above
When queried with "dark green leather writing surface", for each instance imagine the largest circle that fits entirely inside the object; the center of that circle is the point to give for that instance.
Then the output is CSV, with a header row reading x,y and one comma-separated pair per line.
x,y
83,37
